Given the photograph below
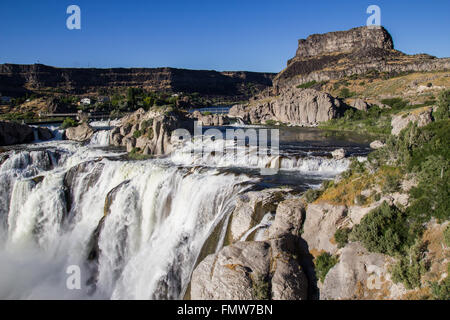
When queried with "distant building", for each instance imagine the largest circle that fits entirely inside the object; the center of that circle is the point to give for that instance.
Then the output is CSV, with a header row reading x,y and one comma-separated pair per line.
x,y
86,101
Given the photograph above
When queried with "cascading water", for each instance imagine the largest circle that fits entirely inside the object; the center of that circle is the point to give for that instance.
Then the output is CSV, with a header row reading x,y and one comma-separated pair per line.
x,y
152,220
135,229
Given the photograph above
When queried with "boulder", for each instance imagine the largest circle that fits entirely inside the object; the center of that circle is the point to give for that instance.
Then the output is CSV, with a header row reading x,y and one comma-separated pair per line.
x,y
44,134
358,275
248,271
360,104
80,133
338,154
377,144
420,116
321,222
14,133
288,218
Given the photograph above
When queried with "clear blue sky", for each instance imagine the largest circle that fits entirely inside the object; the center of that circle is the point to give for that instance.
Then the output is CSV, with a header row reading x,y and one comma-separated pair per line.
x,y
255,35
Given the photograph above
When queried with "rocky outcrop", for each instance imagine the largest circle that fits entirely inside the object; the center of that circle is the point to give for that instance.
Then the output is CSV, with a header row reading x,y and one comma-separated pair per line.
x,y
321,222
334,55
377,144
18,79
288,218
345,41
338,154
149,132
14,133
248,271
80,133
250,209
359,275
210,119
295,106
360,104
266,269
420,116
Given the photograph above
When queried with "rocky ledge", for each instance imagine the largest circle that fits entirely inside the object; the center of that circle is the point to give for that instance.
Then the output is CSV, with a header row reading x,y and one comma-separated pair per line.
x,y
294,106
15,133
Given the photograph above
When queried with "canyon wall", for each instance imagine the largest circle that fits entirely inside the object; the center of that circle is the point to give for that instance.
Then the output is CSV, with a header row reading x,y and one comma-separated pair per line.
x,y
17,79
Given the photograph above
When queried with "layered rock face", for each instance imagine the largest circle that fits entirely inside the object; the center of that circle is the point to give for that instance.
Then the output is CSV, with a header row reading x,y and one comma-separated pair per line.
x,y
334,55
149,132
345,41
17,79
301,107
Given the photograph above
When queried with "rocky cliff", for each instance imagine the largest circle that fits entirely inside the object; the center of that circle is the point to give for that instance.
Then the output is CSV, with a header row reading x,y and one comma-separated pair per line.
x,y
334,55
294,106
17,79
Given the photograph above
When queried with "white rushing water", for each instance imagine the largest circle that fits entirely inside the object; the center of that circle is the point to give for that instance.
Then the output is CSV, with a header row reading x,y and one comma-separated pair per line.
x,y
135,229
157,219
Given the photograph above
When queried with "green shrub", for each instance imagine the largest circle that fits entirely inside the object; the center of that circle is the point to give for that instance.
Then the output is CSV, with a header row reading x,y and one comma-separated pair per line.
x,y
360,200
307,84
206,113
261,288
443,110
146,124
68,123
135,154
395,103
410,267
270,122
447,236
323,263
326,184
311,195
391,185
377,197
345,93
137,134
441,290
341,236
383,230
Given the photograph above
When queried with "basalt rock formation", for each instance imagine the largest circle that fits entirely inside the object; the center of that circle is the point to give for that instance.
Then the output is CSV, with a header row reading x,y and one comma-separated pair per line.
x,y
15,133
294,106
335,55
150,132
18,79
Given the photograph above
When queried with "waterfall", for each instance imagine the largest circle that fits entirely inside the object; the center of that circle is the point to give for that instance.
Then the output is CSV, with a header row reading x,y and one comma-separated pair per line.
x,y
224,153
145,221
134,229
100,138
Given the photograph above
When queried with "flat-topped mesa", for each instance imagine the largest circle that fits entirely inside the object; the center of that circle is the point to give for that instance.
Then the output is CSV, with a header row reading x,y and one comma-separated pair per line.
x,y
340,54
345,41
